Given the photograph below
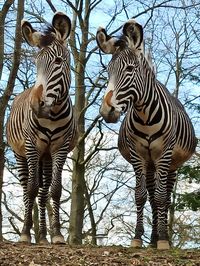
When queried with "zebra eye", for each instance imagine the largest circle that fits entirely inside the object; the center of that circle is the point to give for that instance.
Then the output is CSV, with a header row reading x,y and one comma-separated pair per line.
x,y
129,68
58,60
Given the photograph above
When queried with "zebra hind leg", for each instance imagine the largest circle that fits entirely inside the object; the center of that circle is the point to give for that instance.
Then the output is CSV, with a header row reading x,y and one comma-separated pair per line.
x,y
160,199
42,199
45,175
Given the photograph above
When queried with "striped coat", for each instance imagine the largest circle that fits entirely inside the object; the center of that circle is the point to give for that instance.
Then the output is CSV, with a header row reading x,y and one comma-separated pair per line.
x,y
156,135
41,128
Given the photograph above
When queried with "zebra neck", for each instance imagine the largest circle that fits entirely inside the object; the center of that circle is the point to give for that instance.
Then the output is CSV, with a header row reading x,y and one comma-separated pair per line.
x,y
147,103
64,98
54,113
145,91
61,106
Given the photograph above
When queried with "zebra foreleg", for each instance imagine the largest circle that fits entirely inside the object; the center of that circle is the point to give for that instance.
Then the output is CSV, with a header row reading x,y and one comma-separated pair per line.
x,y
32,191
161,203
22,166
56,188
162,194
140,199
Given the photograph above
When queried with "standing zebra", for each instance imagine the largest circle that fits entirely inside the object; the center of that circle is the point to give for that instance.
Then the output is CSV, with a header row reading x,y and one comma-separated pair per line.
x,y
156,135
41,128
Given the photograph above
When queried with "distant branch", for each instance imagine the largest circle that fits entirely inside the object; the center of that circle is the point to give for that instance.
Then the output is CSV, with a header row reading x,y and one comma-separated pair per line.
x,y
51,5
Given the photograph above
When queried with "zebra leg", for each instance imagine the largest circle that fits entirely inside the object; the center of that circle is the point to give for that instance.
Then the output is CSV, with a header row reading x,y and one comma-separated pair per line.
x,y
140,199
160,200
170,185
58,161
32,191
42,199
151,189
23,177
162,169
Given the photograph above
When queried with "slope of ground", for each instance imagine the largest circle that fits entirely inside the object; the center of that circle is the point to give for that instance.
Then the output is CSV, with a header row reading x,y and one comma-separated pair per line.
x,y
36,255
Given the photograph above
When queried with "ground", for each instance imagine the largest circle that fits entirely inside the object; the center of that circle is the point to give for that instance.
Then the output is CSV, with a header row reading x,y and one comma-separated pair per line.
x,y
35,255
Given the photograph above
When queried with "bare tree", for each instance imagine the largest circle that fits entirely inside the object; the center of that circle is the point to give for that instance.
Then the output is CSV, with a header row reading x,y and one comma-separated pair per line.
x,y
11,79
102,183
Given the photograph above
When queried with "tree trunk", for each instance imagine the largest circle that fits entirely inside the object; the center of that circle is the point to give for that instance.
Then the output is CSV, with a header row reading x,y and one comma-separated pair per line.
x,y
77,199
78,182
3,15
92,219
9,89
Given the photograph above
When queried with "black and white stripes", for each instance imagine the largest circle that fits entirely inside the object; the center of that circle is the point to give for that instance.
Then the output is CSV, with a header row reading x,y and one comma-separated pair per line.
x,y
41,128
156,136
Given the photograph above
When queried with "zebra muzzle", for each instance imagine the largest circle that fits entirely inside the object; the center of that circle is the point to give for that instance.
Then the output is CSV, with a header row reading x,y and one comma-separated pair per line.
x,y
40,110
37,105
108,111
109,114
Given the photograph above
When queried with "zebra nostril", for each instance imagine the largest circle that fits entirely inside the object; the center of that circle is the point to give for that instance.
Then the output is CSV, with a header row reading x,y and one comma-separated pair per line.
x,y
112,109
42,103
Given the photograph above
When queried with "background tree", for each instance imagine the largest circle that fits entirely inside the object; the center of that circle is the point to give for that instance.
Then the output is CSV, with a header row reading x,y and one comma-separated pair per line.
x,y
98,185
6,93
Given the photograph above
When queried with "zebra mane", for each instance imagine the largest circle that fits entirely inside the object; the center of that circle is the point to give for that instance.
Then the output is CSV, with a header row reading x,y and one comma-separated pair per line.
x,y
123,43
48,37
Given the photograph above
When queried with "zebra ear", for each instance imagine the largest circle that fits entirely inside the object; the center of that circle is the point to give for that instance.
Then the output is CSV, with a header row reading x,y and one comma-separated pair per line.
x,y
31,36
62,25
105,42
134,33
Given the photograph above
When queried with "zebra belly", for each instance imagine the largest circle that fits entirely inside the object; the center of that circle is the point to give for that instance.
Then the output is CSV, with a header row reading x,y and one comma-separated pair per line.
x,y
149,151
179,156
45,145
152,152
18,146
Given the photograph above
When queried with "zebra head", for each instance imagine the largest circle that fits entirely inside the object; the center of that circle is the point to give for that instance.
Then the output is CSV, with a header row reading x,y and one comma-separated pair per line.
x,y
122,68
52,62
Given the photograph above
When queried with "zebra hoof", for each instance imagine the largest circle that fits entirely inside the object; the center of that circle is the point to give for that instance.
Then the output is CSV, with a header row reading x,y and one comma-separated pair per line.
x,y
163,245
25,239
44,241
136,243
58,240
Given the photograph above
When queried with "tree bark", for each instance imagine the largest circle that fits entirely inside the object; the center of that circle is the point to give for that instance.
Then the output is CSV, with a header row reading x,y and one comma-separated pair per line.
x,y
77,198
78,182
3,14
10,85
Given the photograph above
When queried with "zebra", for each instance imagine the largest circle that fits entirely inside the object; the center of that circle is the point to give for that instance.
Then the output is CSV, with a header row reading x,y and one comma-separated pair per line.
x,y
41,128
156,135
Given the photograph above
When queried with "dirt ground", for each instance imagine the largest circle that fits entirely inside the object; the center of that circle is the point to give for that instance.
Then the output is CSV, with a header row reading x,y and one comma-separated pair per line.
x,y
36,255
